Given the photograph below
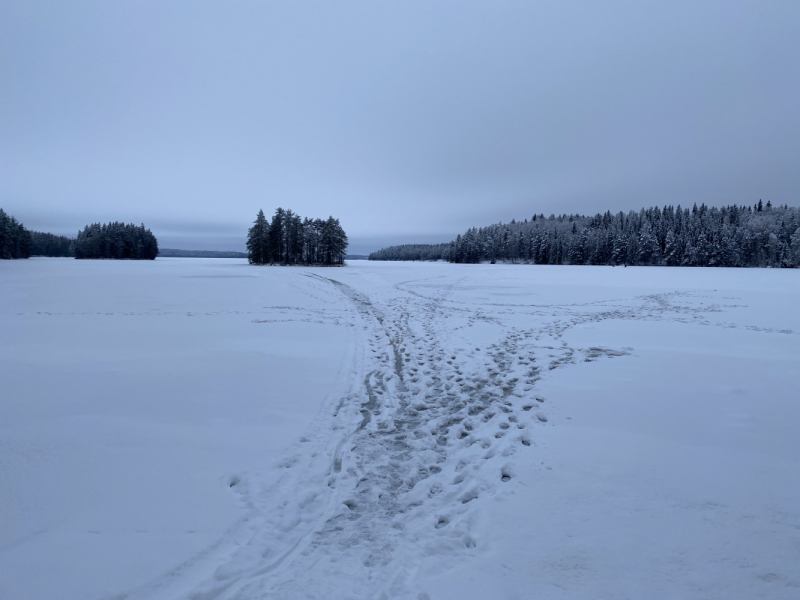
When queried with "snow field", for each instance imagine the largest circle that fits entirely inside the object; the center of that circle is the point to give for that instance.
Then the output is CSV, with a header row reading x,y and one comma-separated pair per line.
x,y
133,394
491,431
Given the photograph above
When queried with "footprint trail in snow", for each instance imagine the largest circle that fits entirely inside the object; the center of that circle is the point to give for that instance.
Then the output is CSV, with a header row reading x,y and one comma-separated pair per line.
x,y
425,426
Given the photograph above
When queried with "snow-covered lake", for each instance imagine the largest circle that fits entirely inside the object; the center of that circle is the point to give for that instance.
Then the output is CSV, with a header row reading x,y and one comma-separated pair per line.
x,y
190,428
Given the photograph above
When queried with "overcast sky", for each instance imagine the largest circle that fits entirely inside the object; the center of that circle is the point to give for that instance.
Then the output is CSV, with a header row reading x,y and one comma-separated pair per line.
x,y
408,120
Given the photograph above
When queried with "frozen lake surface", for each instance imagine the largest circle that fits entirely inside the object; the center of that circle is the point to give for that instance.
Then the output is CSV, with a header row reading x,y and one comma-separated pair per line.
x,y
199,429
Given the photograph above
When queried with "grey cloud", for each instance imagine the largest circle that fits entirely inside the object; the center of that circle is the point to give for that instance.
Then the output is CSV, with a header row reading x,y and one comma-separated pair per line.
x,y
403,119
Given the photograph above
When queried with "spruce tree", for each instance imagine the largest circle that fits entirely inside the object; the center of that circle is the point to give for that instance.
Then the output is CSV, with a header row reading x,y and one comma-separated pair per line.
x,y
258,247
276,236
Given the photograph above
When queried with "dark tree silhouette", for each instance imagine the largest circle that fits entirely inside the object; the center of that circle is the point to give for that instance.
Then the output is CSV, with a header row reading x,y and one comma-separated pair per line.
x,y
47,244
116,240
15,240
292,240
258,248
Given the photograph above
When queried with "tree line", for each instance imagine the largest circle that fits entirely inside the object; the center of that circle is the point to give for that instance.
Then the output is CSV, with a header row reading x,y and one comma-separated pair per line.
x,y
116,240
289,239
18,242
413,252
15,240
762,235
48,244
175,253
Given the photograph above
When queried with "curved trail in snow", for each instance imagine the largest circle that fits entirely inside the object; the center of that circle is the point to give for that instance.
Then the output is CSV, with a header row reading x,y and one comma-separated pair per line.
x,y
421,429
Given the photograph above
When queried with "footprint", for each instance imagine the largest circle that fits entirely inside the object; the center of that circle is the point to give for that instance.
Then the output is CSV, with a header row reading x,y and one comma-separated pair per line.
x,y
469,496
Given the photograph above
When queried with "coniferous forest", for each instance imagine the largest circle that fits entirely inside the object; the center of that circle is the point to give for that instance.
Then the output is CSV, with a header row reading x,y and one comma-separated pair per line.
x,y
289,239
413,252
15,240
176,253
762,235
48,244
116,240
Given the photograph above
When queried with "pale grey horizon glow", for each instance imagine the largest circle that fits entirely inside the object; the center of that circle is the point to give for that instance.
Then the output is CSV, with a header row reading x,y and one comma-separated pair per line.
x,y
410,121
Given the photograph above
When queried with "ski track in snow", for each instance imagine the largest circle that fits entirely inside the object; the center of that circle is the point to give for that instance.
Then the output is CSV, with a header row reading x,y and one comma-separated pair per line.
x,y
420,430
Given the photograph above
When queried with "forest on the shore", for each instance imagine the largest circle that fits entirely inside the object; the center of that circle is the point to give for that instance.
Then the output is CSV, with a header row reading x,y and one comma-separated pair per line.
x,y
113,240
48,244
15,240
762,235
177,253
289,239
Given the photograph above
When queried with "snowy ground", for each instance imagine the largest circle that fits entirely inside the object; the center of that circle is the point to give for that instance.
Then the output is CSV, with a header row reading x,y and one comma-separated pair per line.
x,y
205,429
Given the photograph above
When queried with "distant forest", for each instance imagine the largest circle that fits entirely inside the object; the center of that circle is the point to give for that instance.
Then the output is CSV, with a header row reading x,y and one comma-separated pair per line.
x,y
116,240
175,253
413,252
47,244
290,239
731,236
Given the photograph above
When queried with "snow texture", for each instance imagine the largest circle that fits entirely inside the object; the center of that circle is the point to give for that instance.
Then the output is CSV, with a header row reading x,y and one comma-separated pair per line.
x,y
204,429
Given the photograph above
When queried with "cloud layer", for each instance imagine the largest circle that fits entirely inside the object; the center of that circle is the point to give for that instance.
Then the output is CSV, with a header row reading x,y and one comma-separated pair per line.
x,y
404,119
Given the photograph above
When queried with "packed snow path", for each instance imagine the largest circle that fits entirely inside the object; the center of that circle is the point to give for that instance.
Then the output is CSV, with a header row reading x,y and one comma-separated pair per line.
x,y
430,427
445,462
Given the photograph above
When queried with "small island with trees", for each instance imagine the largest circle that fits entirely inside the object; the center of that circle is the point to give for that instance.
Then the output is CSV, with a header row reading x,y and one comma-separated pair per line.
x,y
116,240
290,239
